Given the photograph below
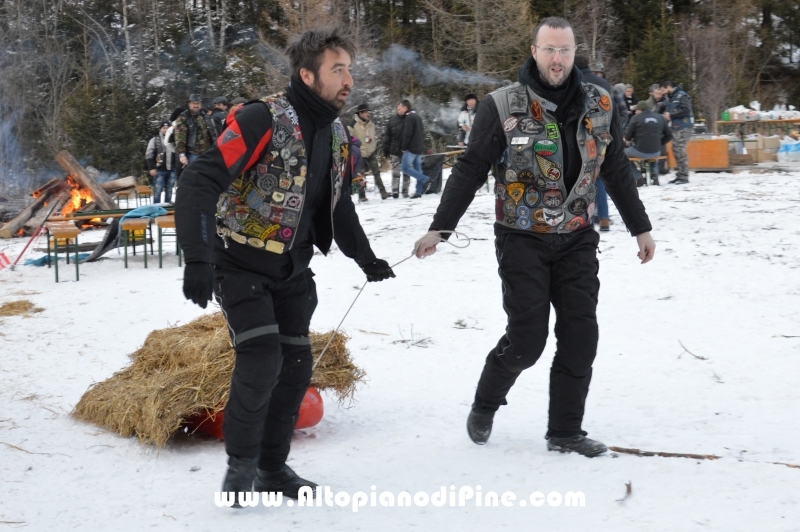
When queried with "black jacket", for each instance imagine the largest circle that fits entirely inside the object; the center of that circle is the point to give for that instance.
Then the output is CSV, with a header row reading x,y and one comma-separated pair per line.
x,y
487,143
393,136
413,138
648,132
242,145
218,117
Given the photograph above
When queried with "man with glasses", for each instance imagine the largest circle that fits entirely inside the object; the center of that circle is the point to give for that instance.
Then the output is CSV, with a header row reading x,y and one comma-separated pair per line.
x,y
553,134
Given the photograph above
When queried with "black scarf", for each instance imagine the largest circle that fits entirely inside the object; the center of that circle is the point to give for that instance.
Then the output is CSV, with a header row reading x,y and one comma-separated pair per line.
x,y
307,103
562,95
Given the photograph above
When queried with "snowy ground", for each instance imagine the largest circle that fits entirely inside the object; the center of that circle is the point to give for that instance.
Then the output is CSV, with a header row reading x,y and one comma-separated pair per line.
x,y
725,282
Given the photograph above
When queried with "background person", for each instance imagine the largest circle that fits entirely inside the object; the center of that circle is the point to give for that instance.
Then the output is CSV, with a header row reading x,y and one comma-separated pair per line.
x,y
392,139
412,145
364,128
648,132
160,158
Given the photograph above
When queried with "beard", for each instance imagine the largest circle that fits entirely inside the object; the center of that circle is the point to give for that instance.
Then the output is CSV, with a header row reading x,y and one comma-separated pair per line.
x,y
550,79
330,96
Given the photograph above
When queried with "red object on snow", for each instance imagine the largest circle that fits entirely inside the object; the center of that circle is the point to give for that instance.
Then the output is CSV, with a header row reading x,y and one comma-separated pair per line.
x,y
311,410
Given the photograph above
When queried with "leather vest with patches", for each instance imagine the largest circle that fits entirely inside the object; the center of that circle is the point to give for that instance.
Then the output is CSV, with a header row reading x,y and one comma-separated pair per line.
x,y
530,191
263,206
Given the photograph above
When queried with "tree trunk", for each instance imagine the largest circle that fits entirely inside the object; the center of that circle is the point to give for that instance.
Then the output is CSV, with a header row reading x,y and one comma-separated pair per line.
x,y
222,5
128,52
78,173
210,23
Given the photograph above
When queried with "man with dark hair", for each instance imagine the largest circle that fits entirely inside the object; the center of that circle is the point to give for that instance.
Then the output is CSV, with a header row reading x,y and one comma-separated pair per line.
x,y
278,181
220,112
160,158
194,131
363,128
412,145
648,133
679,112
552,135
392,138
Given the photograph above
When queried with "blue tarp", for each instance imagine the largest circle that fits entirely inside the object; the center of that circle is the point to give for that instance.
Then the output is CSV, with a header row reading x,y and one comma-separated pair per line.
x,y
42,261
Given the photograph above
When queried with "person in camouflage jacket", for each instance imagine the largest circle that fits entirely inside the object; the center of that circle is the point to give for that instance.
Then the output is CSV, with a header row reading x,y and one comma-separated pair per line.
x,y
194,131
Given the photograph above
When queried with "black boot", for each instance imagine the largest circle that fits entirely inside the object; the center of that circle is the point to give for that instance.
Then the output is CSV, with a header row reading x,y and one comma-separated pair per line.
x,y
479,425
576,444
239,478
284,480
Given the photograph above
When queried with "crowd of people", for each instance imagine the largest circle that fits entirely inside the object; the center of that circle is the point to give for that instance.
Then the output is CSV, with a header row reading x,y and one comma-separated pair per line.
x,y
189,132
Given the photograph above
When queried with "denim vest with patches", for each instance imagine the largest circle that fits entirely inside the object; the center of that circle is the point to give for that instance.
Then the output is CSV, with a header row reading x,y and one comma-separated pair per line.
x,y
263,206
530,192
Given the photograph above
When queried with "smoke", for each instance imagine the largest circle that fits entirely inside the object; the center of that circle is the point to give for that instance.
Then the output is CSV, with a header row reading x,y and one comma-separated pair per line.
x,y
12,167
397,59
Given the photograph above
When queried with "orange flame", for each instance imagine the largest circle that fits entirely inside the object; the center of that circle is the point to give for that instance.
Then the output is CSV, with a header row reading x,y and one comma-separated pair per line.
x,y
79,197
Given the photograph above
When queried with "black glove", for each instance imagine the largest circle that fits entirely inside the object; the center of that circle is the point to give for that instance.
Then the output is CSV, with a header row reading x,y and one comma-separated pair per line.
x,y
198,282
377,270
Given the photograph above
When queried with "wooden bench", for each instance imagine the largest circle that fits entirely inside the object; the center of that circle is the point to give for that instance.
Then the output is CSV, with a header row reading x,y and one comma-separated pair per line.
x,y
129,225
166,222
64,231
144,195
641,162
126,195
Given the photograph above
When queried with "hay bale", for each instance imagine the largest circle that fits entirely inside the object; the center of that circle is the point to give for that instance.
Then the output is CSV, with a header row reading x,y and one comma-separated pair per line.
x,y
21,307
183,371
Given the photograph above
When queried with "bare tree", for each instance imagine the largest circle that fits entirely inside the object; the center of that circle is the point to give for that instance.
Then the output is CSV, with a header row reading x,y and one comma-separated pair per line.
x,y
597,31
487,36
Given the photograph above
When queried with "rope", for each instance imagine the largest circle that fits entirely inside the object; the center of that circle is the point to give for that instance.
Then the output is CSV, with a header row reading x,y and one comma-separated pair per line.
x,y
333,334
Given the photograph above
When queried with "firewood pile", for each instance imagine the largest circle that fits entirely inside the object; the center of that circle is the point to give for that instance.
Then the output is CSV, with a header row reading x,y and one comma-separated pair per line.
x,y
78,192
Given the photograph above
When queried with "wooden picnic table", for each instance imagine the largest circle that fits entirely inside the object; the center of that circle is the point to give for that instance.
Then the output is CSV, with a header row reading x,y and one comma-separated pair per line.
x,y
757,126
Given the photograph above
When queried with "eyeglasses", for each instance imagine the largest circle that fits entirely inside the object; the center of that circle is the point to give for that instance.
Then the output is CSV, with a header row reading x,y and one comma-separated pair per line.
x,y
550,51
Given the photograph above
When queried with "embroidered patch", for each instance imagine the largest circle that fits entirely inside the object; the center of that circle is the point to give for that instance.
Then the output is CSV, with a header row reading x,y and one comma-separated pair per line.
x,y
552,198
604,103
510,123
552,131
276,215
531,196
510,207
553,217
523,211
545,147
517,102
526,176
290,218
255,199
500,192
515,190
536,110
587,123
519,141
549,169
523,223
294,201
591,148
574,223
578,206
530,127
281,136
511,176
541,228
538,215
582,186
